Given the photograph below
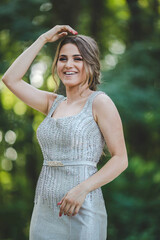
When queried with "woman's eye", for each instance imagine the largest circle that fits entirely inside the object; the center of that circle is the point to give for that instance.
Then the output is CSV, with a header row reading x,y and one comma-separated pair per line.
x,y
78,59
62,59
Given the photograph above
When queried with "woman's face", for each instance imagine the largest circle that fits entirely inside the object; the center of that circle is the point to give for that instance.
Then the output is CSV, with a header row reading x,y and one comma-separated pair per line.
x,y
70,66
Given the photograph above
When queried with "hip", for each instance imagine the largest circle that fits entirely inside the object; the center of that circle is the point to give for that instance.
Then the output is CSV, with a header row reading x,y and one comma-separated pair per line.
x,y
54,182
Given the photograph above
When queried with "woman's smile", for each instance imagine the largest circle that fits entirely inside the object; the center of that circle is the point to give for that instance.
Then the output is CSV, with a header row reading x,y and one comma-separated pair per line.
x,y
70,73
70,65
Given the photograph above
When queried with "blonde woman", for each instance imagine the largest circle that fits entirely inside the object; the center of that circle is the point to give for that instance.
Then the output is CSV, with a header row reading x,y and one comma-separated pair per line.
x,y
69,204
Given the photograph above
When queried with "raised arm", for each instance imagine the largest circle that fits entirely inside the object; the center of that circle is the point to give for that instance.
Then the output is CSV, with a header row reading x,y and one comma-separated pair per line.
x,y
35,98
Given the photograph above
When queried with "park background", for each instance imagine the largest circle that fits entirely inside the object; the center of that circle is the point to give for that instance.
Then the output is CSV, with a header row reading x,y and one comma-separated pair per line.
x,y
128,33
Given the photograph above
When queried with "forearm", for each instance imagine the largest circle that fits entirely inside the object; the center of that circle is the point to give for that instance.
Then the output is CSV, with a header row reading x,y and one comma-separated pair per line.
x,y
112,169
20,66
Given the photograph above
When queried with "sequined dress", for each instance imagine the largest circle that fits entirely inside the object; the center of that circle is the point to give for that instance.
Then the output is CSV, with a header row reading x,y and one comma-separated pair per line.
x,y
76,144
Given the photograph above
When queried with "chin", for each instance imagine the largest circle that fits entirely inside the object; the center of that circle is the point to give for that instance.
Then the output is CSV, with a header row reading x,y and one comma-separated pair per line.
x,y
68,82
70,85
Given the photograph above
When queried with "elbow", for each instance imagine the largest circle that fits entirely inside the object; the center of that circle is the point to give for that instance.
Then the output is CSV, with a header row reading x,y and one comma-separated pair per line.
x,y
125,163
125,166
4,79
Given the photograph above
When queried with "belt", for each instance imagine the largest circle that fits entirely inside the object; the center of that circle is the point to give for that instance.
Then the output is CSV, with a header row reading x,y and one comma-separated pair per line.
x,y
68,163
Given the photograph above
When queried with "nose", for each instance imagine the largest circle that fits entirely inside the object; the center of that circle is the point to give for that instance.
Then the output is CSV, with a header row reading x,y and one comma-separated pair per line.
x,y
69,63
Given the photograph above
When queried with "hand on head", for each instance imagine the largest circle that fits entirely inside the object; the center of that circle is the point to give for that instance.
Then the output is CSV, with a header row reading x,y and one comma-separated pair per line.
x,y
58,32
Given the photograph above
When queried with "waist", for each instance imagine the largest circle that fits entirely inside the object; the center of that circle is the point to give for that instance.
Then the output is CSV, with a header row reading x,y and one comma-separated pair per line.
x,y
68,163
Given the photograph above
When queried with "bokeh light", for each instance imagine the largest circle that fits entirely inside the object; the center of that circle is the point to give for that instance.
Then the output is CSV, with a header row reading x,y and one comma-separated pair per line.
x,y
20,108
11,153
36,76
6,164
10,137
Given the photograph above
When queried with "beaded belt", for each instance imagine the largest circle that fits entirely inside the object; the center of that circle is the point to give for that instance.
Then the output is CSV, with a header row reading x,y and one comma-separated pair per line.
x,y
68,163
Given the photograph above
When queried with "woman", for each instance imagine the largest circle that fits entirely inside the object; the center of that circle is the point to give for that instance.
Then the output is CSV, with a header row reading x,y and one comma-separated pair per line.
x,y
72,137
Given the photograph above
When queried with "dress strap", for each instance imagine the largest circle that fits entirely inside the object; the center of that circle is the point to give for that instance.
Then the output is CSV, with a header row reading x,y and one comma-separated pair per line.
x,y
91,99
58,99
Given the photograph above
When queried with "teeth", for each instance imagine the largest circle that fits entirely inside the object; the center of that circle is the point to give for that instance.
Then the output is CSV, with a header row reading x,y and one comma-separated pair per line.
x,y
69,73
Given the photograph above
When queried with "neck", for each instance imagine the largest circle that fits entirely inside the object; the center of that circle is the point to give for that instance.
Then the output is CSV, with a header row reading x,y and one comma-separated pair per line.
x,y
77,95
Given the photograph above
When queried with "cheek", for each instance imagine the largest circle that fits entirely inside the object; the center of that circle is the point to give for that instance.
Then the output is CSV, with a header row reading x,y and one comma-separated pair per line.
x,y
83,71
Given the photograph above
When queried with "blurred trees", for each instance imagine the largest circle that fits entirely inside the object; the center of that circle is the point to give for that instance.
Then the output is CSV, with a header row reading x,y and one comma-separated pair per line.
x,y
134,87
128,35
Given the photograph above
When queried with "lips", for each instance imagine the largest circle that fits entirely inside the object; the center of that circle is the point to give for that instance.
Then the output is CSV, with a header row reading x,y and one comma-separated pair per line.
x,y
69,73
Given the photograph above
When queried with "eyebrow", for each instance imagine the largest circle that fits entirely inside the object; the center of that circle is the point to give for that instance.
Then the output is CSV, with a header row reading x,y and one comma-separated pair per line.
x,y
75,55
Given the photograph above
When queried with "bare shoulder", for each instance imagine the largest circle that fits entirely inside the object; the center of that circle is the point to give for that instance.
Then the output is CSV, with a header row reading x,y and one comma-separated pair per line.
x,y
51,98
103,106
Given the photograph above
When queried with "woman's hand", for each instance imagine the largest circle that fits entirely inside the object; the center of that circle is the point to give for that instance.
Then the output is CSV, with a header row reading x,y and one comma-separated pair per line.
x,y
57,32
72,201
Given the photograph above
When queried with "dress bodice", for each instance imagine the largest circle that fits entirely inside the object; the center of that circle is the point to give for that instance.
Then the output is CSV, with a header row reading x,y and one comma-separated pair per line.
x,y
71,138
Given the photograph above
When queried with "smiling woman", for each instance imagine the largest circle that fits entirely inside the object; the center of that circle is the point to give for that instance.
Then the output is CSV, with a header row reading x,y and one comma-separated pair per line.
x,y
72,137
70,66
86,50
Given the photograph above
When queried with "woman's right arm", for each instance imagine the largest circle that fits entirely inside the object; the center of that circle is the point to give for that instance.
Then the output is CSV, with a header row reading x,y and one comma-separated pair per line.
x,y
35,98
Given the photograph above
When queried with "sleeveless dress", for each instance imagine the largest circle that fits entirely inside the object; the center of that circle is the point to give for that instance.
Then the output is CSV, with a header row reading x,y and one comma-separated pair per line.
x,y
71,148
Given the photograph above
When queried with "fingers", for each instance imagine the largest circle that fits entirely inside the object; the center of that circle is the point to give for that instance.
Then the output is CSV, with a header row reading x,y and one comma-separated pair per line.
x,y
64,207
57,32
76,210
69,209
66,28
63,34
65,210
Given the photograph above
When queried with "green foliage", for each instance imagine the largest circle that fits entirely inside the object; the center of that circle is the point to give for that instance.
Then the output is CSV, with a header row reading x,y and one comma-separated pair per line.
x,y
134,86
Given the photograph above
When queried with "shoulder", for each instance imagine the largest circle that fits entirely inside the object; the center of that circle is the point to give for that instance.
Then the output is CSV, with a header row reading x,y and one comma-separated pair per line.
x,y
101,97
102,100
103,107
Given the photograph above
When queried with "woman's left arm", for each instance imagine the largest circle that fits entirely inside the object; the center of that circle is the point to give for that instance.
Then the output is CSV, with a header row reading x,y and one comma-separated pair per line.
x,y
110,124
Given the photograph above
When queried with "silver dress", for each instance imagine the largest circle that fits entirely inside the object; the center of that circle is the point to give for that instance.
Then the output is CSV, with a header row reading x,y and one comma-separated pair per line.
x,y
71,148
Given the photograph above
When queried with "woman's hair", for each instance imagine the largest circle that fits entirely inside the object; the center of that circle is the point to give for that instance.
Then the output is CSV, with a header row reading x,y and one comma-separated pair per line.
x,y
90,54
